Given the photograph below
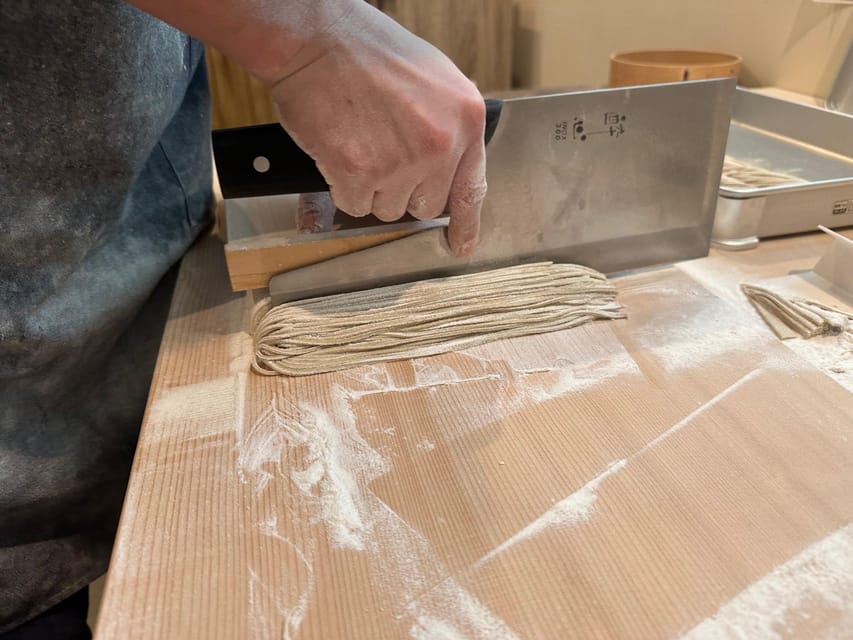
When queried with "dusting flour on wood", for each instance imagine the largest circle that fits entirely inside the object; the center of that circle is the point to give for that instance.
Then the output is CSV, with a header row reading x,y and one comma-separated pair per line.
x,y
813,589
332,484
575,509
578,507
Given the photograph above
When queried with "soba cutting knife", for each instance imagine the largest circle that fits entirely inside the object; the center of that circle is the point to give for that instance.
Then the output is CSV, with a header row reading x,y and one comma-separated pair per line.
x,y
611,178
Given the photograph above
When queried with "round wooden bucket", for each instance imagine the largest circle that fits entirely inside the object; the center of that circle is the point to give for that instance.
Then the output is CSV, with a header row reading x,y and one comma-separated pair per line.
x,y
651,67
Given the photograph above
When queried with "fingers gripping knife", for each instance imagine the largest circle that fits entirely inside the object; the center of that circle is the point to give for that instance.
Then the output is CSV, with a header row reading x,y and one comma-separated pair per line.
x,y
612,179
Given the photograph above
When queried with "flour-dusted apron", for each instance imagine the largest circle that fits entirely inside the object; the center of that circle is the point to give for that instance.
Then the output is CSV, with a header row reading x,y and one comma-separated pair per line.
x,y
104,183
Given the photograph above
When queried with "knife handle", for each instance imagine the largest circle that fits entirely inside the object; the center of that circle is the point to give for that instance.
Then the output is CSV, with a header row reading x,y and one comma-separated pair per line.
x,y
262,160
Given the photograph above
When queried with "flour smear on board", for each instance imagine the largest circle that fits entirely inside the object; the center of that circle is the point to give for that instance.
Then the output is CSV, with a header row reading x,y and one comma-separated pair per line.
x,y
575,509
812,590
494,391
579,506
338,466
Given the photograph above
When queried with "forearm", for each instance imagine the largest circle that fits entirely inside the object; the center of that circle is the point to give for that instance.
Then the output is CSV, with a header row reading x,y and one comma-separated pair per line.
x,y
265,36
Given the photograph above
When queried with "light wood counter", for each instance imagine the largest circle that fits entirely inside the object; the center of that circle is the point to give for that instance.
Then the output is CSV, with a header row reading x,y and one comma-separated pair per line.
x,y
681,472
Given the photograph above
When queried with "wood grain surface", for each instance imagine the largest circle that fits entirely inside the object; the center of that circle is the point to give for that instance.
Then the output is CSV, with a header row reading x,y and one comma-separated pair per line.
x,y
237,99
476,34
252,262
677,473
262,240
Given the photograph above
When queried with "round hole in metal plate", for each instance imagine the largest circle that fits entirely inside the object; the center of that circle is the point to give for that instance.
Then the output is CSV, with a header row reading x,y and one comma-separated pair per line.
x,y
261,164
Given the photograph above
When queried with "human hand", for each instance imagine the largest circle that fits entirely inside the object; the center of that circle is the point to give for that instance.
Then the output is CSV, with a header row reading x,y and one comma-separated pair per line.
x,y
392,124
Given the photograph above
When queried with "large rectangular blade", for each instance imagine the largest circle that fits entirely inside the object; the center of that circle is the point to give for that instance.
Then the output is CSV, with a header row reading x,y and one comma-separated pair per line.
x,y
612,179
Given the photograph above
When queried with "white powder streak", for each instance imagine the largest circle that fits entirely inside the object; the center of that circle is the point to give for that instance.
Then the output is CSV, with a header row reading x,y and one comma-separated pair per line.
x,y
579,506
257,612
513,389
261,597
339,466
424,444
819,580
293,616
358,395
426,374
698,411
463,616
416,583
429,628
575,379
831,354
258,448
328,475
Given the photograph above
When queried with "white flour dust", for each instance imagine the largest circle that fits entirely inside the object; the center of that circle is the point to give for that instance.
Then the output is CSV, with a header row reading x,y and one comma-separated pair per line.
x,y
333,460
816,582
707,335
259,449
208,407
463,616
333,482
575,509
484,391
393,388
263,598
578,507
559,382
709,329
428,374
496,389
428,628
831,354
240,352
699,410
293,615
424,444
828,353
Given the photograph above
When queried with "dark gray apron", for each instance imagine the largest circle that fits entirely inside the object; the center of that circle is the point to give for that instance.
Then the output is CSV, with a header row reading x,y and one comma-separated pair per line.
x,y
104,183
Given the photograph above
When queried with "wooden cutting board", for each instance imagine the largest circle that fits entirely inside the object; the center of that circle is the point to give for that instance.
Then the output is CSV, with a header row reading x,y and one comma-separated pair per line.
x,y
677,473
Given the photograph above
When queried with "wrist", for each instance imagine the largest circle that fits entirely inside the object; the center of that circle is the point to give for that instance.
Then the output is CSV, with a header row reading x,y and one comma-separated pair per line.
x,y
281,40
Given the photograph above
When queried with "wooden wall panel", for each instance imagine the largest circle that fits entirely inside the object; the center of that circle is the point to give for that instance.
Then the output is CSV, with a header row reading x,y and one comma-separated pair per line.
x,y
238,99
475,34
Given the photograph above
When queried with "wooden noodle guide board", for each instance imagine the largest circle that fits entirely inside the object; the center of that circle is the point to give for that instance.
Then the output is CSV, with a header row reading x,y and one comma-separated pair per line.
x,y
262,240
667,475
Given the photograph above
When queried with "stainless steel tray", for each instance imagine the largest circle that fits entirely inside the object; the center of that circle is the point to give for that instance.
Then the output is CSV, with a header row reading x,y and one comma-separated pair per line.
x,y
813,144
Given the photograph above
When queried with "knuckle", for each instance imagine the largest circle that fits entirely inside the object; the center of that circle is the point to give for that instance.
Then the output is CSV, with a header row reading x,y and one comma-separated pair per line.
x,y
356,163
437,140
357,167
474,111
424,209
431,136
352,204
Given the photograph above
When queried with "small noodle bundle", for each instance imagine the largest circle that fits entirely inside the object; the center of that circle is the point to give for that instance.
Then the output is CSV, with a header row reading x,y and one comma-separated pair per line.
x,y
739,174
427,318
790,316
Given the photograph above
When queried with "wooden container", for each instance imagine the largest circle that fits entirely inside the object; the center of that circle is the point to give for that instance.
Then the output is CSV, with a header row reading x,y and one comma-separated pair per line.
x,y
654,66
